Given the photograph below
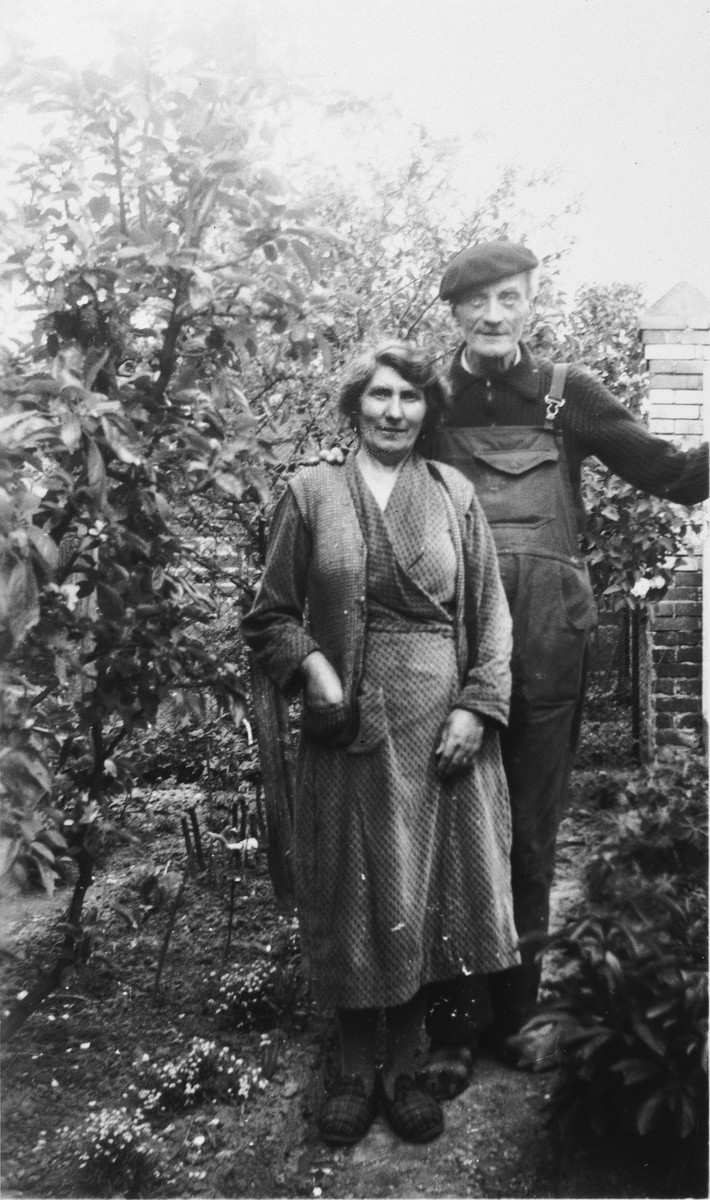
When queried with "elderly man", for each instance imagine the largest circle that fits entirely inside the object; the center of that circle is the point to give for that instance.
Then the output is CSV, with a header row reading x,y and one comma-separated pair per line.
x,y
520,432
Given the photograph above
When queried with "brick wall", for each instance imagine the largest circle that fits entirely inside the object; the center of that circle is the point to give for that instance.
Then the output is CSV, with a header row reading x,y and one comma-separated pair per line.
x,y
676,337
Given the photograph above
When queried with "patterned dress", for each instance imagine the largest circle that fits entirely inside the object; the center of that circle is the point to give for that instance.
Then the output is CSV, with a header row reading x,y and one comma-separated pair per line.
x,y
402,878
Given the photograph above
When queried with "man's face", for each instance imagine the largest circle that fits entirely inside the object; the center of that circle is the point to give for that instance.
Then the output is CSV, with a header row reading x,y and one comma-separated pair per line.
x,y
492,317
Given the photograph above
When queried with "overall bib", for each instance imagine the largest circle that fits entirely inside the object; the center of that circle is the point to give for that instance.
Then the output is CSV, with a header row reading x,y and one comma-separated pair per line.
x,y
521,478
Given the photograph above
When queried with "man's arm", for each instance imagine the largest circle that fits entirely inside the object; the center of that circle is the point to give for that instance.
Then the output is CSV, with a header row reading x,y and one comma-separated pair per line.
x,y
602,427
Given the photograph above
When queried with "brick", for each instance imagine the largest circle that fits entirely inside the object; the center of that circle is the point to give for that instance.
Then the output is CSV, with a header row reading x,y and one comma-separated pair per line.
x,y
679,592
663,428
668,737
675,412
690,654
684,428
665,653
663,677
687,608
690,671
671,704
660,397
676,366
688,568
665,337
681,624
666,637
662,638
677,383
689,721
664,721
675,351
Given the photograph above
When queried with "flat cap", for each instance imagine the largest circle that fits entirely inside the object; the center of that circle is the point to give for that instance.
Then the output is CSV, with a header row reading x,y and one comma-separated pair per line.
x,y
483,264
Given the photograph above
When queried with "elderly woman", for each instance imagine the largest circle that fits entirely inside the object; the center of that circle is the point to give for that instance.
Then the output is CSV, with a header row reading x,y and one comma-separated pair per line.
x,y
402,824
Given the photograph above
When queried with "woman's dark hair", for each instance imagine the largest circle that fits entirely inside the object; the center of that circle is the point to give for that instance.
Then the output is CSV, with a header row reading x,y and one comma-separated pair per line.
x,y
414,365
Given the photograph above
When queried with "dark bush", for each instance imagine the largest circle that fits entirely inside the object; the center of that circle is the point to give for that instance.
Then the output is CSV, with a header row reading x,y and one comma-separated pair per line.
x,y
630,1003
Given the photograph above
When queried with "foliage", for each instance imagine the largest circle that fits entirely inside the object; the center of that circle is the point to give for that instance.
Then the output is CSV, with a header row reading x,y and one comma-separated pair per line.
x,y
660,833
631,1029
127,394
110,631
630,1002
191,312
117,1152
632,540
205,1072
272,992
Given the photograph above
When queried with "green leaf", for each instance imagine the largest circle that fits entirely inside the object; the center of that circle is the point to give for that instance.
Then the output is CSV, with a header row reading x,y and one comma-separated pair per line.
x,y
124,452
95,466
47,877
70,432
649,1038
647,1115
19,600
636,1070
304,254
9,848
110,603
230,483
99,207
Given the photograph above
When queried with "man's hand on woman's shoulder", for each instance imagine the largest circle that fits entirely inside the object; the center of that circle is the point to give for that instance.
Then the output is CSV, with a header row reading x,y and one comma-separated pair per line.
x,y
334,455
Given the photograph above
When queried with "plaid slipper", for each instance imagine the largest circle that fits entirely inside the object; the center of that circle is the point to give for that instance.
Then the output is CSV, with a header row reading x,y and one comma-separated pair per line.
x,y
347,1111
412,1112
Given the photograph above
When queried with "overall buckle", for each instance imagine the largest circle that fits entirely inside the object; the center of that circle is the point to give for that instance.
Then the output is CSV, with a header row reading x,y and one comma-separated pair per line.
x,y
553,404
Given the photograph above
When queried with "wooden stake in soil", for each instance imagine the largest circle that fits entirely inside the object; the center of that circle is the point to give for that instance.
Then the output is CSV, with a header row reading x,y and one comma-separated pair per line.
x,y
278,774
230,923
168,933
188,840
198,840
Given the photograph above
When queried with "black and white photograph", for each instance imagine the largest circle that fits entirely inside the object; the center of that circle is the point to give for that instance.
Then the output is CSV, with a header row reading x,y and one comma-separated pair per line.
x,y
354,564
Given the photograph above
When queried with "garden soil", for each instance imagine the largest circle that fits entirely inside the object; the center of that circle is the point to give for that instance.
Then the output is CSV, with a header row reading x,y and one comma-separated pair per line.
x,y
87,1046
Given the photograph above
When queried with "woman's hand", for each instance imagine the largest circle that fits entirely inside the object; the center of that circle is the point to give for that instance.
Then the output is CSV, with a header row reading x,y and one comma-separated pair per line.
x,y
322,688
460,741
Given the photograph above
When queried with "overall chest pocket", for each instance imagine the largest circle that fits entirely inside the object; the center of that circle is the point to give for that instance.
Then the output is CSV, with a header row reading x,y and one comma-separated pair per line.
x,y
517,487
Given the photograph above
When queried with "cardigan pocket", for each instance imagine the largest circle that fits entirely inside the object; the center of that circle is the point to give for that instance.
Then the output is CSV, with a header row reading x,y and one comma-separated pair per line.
x,y
372,724
334,726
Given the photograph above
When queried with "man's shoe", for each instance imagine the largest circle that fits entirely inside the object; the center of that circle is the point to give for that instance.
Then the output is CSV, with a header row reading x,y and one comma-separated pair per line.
x,y
347,1111
412,1112
447,1071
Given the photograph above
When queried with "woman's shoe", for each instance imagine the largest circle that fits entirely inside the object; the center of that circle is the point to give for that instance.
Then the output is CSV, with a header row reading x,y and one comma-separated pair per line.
x,y
347,1111
412,1112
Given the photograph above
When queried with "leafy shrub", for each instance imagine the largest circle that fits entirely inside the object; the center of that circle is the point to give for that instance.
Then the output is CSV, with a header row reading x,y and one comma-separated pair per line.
x,y
631,1022
117,1152
657,852
206,1072
630,1003
606,735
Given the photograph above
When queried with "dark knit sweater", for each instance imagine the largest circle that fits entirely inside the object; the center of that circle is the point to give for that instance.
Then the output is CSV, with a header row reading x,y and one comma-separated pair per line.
x,y
591,421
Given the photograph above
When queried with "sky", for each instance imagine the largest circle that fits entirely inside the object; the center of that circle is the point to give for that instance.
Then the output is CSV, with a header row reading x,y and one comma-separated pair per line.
x,y
612,95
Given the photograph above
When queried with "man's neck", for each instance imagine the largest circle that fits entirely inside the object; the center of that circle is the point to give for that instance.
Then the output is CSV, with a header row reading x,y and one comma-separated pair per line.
x,y
475,364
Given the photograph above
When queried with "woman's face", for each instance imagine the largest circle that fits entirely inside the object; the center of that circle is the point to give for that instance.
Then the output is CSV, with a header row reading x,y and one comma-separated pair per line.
x,y
390,416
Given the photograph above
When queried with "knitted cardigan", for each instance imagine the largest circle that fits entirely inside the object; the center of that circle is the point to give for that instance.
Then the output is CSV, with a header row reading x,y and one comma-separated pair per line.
x,y
317,561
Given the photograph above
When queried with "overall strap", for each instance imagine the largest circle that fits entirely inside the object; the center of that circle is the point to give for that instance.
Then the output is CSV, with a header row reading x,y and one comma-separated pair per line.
x,y
555,399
